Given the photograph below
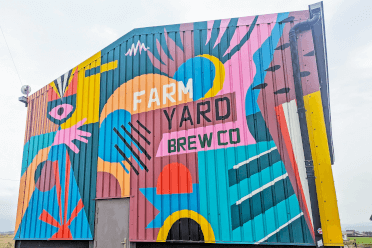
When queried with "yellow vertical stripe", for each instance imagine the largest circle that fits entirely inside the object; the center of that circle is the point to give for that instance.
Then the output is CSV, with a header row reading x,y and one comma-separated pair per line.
x,y
87,96
328,209
54,88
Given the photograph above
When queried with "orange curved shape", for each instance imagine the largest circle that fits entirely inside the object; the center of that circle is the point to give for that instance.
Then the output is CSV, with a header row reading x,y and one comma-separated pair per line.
x,y
145,93
118,172
175,178
27,185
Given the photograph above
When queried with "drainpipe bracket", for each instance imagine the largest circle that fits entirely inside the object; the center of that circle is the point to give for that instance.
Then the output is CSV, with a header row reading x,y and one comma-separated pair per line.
x,y
309,166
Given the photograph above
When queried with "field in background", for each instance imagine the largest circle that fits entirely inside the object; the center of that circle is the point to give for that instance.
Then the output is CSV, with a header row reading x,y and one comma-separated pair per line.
x,y
6,241
362,240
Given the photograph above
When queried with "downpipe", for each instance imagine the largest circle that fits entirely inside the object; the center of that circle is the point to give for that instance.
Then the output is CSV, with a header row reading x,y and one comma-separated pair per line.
x,y
295,30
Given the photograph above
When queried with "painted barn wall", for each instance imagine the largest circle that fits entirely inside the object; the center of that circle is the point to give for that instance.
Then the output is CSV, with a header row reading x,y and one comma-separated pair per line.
x,y
195,123
59,167
245,186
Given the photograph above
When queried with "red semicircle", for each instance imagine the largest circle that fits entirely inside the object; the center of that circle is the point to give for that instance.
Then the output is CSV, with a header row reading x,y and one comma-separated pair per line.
x,y
175,178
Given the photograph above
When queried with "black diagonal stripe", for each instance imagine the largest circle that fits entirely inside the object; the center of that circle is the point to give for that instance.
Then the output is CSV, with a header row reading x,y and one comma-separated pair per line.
x,y
260,86
126,159
261,202
282,91
288,19
136,142
304,73
273,68
143,126
56,85
253,167
131,149
282,47
140,134
312,53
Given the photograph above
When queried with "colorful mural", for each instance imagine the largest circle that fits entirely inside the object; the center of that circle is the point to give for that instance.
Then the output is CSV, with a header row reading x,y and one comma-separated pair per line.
x,y
197,123
59,159
198,130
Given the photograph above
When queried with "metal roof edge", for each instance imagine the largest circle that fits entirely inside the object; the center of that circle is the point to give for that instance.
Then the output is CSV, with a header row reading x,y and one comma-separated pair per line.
x,y
174,28
160,29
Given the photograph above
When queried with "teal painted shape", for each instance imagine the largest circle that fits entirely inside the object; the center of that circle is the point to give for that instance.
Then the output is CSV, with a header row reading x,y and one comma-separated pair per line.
x,y
92,71
216,196
273,218
33,146
167,204
202,73
32,227
84,165
300,235
260,202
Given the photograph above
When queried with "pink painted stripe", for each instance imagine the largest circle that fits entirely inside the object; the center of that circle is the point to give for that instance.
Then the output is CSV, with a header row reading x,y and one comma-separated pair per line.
x,y
245,20
267,18
223,26
246,138
238,36
239,73
209,30
187,27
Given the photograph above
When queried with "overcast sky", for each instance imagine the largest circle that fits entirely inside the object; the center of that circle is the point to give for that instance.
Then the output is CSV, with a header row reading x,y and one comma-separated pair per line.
x,y
47,38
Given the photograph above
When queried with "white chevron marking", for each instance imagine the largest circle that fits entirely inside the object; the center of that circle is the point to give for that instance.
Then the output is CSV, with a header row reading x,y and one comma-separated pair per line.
x,y
262,188
280,228
254,157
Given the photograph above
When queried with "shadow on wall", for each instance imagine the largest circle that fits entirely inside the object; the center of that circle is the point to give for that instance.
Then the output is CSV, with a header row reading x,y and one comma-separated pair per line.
x,y
52,243
183,245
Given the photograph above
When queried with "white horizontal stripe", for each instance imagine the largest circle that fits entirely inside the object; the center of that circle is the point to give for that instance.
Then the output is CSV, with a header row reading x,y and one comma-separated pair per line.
x,y
262,188
253,158
280,228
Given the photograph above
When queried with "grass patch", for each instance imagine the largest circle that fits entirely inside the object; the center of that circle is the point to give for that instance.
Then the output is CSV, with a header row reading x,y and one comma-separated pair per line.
x,y
6,241
362,240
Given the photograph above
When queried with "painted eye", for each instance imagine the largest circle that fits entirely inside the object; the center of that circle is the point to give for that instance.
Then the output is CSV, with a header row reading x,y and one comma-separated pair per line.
x,y
61,111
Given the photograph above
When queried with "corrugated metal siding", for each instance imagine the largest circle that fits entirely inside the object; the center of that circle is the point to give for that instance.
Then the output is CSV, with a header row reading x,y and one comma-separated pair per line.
x,y
59,169
194,191
197,123
36,113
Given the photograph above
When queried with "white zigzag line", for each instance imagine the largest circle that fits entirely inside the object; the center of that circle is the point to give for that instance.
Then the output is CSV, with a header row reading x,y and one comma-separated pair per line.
x,y
133,50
